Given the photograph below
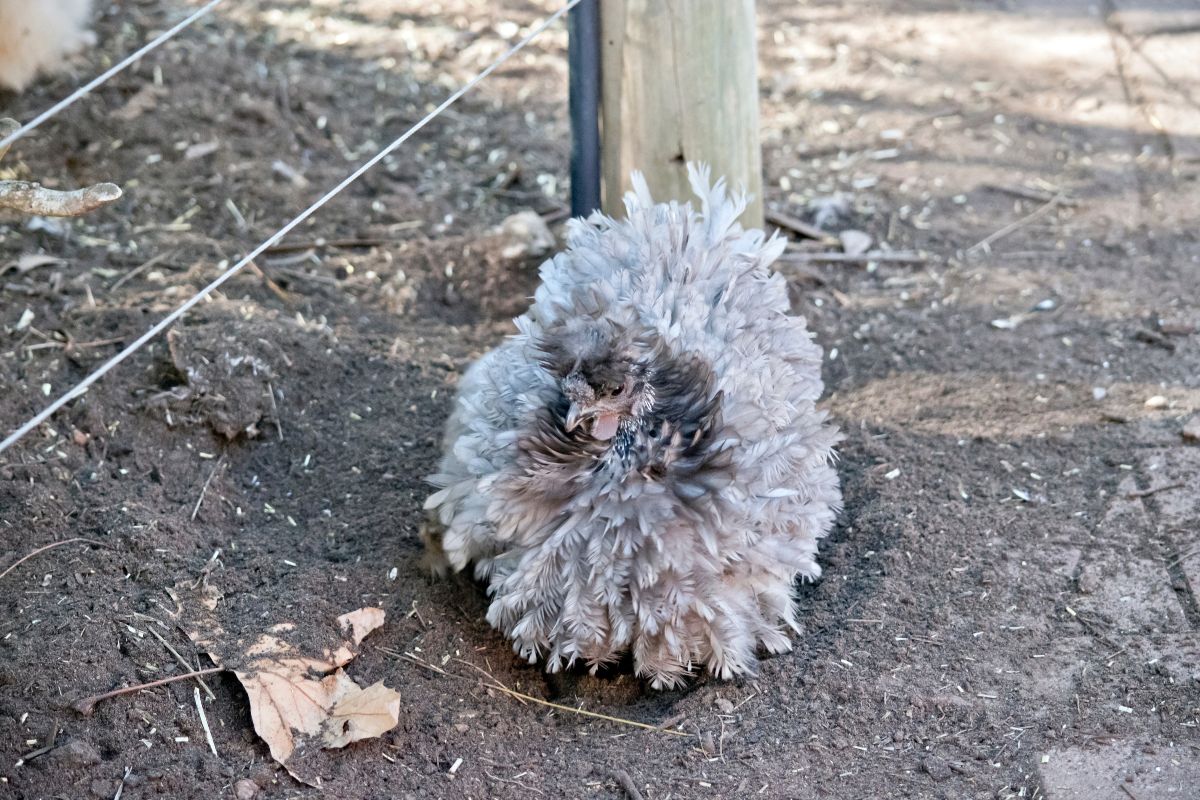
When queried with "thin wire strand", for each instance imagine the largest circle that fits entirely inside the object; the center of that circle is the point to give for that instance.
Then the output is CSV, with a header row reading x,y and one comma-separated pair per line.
x,y
87,88
168,320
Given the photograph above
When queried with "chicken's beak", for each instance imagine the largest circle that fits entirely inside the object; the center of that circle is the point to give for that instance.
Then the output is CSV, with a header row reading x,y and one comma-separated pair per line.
x,y
575,416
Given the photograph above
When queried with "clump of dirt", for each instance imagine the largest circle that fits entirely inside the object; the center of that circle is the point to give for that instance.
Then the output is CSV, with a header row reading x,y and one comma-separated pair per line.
x,y
222,381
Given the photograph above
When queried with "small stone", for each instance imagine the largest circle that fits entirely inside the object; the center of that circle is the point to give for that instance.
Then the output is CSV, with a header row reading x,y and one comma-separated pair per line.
x,y
104,787
1088,580
937,767
1099,393
828,211
245,789
74,754
707,744
1176,328
723,705
855,243
1008,323
525,234
1157,401
1191,429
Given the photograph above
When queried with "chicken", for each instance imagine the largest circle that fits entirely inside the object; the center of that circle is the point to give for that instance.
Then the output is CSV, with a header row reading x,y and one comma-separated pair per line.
x,y
641,468
37,35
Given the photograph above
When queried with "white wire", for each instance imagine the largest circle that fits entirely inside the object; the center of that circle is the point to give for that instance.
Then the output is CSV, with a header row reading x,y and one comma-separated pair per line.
x,y
104,76
168,320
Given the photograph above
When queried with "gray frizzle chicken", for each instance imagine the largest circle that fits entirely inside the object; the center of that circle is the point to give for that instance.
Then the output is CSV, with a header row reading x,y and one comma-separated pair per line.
x,y
642,468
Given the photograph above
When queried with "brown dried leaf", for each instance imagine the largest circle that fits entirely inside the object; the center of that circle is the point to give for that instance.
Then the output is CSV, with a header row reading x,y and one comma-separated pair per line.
x,y
145,99
361,622
361,713
285,700
299,703
198,592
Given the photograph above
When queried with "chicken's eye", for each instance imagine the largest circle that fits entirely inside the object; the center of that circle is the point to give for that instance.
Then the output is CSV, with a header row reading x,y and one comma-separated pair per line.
x,y
617,392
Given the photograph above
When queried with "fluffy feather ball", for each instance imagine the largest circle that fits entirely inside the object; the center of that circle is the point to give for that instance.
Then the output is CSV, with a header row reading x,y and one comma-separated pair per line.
x,y
37,35
642,467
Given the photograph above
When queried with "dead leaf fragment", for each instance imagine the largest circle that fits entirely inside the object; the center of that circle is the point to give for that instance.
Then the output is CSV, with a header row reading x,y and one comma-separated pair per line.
x,y
361,622
30,261
361,713
200,150
145,99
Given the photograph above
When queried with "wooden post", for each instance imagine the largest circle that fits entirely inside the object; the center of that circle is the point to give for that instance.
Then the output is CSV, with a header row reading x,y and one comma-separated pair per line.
x,y
679,84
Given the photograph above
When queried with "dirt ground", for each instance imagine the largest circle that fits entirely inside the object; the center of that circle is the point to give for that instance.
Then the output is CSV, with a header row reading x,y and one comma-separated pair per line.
x,y
1009,602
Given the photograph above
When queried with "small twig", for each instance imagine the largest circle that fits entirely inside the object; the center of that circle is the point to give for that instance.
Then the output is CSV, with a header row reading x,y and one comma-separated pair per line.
x,y
1155,338
896,257
798,272
1181,29
494,683
49,547
35,199
781,220
419,662
204,489
1040,211
7,127
581,712
341,244
270,284
555,215
88,704
1115,653
1128,791
183,662
1135,44
1026,193
274,411
121,788
524,786
487,675
69,345
304,276
912,637
155,261
415,613
1154,490
670,722
1183,558
73,345
625,781
1094,630
41,751
204,722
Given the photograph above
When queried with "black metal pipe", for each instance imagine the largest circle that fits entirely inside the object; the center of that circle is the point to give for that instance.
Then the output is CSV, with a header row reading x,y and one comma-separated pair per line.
x,y
583,59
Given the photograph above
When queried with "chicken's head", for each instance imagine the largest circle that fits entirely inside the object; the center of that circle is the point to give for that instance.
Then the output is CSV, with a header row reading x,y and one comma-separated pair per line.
x,y
605,374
